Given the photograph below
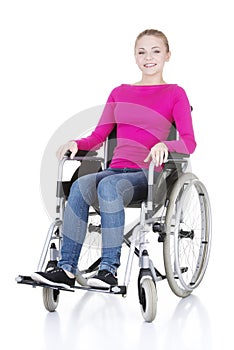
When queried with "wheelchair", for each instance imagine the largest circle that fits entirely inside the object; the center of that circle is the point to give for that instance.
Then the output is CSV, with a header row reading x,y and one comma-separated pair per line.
x,y
177,211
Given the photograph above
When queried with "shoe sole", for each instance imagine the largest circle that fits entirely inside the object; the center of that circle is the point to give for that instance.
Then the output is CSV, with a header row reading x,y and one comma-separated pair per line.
x,y
38,278
81,280
97,283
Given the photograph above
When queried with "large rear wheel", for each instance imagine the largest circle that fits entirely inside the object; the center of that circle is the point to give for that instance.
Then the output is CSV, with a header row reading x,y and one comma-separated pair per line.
x,y
188,235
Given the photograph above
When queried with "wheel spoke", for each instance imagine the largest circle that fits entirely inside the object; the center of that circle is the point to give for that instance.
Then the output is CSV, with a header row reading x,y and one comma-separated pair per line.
x,y
188,220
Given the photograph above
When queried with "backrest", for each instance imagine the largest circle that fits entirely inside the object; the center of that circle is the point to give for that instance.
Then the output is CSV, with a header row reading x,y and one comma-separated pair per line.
x,y
111,143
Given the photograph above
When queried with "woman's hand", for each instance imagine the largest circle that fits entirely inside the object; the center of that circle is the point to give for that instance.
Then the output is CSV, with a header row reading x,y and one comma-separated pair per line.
x,y
158,153
69,146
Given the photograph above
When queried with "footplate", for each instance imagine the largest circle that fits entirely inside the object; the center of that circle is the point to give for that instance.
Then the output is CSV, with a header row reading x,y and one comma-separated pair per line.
x,y
112,289
29,281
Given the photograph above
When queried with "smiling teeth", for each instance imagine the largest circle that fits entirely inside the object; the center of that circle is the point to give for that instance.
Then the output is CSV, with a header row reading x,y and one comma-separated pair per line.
x,y
150,65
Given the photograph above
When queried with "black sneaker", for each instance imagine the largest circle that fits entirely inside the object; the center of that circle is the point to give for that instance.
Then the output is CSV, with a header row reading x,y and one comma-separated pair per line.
x,y
54,277
104,279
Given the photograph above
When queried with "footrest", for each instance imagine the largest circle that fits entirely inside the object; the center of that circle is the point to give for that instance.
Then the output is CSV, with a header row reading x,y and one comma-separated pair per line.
x,y
112,290
29,281
26,280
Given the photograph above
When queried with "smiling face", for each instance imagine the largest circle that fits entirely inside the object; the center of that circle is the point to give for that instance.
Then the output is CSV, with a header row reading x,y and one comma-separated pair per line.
x,y
151,54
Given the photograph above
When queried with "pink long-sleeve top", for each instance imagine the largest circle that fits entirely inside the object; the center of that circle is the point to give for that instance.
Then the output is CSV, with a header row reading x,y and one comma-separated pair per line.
x,y
143,116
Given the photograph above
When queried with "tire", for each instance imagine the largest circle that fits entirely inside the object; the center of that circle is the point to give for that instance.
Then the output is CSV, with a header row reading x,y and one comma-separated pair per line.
x,y
148,299
188,235
50,298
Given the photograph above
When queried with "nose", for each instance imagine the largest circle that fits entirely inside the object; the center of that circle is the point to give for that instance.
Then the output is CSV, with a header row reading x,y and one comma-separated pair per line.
x,y
148,56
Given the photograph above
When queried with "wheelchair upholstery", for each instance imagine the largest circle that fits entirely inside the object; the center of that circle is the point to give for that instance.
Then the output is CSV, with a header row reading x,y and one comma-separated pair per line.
x,y
86,167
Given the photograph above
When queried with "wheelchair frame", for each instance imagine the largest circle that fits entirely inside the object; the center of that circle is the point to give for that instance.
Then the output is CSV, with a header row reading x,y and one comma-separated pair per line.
x,y
170,195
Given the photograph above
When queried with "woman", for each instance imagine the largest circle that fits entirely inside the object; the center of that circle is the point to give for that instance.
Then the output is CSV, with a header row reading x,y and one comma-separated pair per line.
x,y
143,113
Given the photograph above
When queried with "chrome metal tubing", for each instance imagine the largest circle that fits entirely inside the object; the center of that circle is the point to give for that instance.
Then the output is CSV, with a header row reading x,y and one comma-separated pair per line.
x,y
56,223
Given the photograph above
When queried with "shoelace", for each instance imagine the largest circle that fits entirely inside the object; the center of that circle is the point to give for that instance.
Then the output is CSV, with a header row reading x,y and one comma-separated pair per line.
x,y
56,269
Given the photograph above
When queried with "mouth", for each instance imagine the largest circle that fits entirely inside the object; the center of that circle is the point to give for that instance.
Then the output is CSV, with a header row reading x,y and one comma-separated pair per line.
x,y
149,65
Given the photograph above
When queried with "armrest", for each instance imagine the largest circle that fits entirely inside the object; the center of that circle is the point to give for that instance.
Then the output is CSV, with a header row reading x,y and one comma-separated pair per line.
x,y
80,156
177,156
81,153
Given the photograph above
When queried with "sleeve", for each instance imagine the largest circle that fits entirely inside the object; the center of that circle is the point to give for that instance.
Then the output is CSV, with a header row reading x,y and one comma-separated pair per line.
x,y
104,127
183,120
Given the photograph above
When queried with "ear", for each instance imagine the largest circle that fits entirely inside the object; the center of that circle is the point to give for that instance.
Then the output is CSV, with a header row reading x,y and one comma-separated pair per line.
x,y
168,56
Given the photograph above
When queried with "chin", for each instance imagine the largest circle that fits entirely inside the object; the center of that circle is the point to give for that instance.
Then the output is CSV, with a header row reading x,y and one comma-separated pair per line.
x,y
150,74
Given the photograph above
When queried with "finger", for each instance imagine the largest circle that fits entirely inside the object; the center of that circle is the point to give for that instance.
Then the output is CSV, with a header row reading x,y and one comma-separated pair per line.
x,y
73,149
147,158
73,153
161,156
154,155
63,151
165,155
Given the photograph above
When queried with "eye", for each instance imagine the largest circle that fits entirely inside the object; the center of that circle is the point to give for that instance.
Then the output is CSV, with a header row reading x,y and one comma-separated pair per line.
x,y
141,53
156,51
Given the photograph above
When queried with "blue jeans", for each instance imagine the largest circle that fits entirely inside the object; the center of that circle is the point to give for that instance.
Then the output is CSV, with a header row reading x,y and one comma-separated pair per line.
x,y
113,189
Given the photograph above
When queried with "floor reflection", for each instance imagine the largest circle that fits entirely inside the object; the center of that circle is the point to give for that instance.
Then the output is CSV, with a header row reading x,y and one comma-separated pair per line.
x,y
92,317
96,316
190,326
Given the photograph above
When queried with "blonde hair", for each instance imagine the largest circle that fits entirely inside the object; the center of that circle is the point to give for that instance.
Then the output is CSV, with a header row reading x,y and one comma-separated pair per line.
x,y
156,33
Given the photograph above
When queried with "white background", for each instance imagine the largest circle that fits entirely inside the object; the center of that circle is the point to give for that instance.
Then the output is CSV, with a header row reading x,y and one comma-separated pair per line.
x,y
59,58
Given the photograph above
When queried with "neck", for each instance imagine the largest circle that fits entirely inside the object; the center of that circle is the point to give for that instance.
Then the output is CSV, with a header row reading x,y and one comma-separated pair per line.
x,y
151,80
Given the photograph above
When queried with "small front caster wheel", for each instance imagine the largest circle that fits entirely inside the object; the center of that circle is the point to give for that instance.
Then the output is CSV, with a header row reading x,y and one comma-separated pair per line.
x,y
148,299
50,298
